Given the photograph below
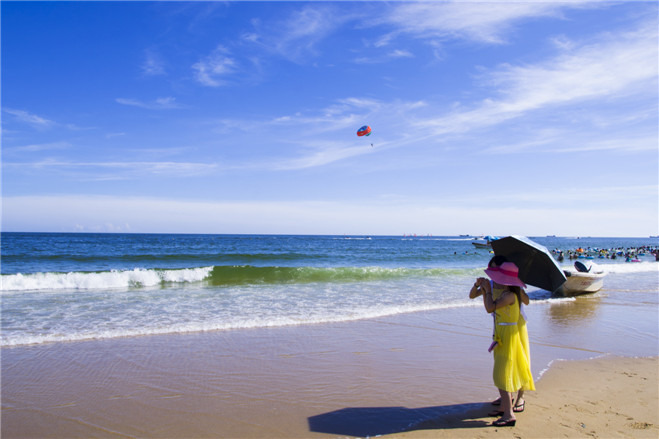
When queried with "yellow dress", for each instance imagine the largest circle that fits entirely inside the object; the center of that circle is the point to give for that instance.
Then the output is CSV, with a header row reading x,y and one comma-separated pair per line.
x,y
524,338
512,364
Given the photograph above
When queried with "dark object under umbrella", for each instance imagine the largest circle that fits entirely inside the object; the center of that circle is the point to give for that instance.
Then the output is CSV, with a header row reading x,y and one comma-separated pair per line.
x,y
536,265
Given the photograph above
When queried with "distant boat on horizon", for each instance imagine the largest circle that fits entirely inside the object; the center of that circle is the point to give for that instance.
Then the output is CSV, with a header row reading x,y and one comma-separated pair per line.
x,y
484,242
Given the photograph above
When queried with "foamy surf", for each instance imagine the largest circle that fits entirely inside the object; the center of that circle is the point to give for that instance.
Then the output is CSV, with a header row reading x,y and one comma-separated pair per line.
x,y
621,267
224,324
104,280
216,276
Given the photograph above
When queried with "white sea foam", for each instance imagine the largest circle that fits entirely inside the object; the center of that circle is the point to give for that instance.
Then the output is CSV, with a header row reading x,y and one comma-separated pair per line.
x,y
631,267
90,281
559,360
622,267
258,320
553,300
96,315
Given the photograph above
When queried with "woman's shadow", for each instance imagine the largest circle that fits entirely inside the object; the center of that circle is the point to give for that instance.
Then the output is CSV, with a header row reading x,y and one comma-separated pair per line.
x,y
374,421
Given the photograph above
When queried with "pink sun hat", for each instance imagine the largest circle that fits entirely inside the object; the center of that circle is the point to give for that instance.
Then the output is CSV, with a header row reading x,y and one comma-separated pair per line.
x,y
505,274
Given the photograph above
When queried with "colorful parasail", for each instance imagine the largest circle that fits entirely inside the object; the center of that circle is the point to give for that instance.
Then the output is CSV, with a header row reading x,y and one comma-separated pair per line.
x,y
364,131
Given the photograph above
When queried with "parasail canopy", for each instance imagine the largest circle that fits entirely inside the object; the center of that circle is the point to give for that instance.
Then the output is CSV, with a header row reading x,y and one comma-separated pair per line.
x,y
364,131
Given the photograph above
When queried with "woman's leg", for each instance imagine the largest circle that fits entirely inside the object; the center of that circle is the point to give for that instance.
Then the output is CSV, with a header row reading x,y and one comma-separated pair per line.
x,y
519,404
506,406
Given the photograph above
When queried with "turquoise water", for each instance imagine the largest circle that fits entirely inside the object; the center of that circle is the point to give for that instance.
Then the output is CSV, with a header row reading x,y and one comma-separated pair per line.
x,y
69,287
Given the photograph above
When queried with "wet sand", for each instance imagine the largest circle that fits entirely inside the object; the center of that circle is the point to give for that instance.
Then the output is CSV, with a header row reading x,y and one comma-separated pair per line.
x,y
417,375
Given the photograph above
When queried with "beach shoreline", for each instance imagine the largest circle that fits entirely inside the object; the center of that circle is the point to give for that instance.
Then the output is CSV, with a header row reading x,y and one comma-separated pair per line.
x,y
422,374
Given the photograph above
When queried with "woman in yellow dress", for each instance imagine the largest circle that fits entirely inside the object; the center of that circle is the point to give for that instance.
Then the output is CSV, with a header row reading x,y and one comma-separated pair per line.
x,y
518,403
512,369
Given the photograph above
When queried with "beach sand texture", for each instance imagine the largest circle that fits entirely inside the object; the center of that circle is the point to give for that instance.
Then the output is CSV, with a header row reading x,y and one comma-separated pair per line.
x,y
611,397
415,375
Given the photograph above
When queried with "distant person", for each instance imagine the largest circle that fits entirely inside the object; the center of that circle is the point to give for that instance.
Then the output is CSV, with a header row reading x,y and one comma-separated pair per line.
x,y
512,369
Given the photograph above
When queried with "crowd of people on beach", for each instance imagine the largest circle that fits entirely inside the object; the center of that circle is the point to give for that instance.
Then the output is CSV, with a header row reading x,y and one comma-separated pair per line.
x,y
632,254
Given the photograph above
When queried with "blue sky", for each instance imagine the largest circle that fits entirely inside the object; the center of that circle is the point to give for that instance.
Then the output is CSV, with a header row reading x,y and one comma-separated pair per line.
x,y
527,118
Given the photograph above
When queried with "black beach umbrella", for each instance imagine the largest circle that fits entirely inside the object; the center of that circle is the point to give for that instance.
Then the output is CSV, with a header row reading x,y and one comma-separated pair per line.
x,y
536,265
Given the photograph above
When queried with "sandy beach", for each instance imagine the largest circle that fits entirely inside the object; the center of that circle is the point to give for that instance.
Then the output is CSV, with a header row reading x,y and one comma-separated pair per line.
x,y
414,375
610,397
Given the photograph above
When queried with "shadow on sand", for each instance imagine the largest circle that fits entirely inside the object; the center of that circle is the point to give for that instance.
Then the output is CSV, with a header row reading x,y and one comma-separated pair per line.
x,y
375,421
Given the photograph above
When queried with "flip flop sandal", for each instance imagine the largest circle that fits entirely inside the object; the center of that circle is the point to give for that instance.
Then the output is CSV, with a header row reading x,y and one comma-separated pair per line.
x,y
519,408
501,423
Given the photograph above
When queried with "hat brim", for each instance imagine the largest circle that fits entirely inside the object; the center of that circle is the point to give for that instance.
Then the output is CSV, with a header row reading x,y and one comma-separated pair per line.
x,y
504,279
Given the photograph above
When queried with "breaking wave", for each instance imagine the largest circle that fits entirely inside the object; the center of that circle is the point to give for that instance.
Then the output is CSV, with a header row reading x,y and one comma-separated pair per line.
x,y
214,275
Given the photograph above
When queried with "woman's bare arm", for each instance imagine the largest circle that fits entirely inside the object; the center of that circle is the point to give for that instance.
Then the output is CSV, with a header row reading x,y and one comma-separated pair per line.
x,y
524,297
491,305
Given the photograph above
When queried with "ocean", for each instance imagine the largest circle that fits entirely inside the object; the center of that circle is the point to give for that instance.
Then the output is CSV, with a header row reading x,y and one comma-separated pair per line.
x,y
59,287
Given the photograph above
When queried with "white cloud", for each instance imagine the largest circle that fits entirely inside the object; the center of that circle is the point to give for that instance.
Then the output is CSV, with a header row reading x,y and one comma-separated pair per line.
x,y
166,103
480,21
327,155
40,122
112,135
398,53
328,135
30,118
616,71
213,69
40,147
296,36
153,64
625,63
303,29
616,66
555,143
122,169
392,55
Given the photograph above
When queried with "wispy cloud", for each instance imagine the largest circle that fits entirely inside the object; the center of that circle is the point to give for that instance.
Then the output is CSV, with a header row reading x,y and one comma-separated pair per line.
x,y
392,55
153,64
328,154
614,67
569,142
113,135
296,36
486,22
30,118
626,144
167,103
213,70
324,136
174,169
339,120
40,147
608,82
39,122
